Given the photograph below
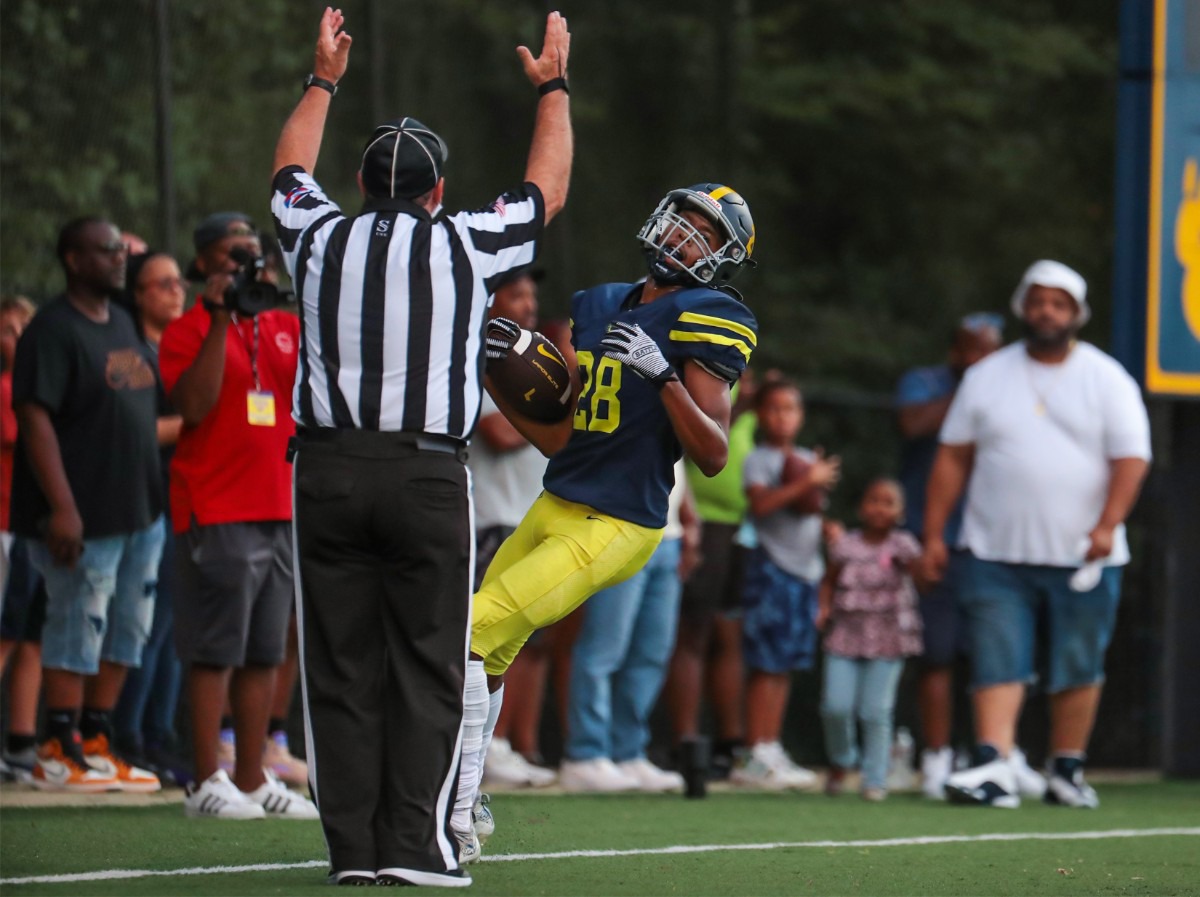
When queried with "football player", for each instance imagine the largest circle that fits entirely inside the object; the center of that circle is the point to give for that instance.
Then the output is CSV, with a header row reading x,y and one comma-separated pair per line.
x,y
657,360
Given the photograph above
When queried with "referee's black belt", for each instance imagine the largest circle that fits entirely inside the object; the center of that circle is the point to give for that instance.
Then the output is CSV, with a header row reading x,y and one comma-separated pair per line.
x,y
381,441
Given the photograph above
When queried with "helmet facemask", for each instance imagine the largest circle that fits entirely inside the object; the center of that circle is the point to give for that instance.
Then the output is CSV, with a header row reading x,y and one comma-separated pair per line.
x,y
667,231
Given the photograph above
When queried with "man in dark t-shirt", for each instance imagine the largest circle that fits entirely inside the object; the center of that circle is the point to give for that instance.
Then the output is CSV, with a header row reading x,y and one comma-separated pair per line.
x,y
87,495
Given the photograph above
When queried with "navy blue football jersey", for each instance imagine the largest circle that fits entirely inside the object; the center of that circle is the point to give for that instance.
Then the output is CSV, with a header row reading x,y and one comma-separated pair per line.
x,y
620,456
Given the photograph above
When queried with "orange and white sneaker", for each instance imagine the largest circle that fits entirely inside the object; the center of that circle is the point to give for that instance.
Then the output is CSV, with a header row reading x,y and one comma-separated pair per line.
x,y
126,777
278,758
58,770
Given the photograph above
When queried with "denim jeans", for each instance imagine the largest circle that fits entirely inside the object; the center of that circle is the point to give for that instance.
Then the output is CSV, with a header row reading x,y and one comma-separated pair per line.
x,y
620,660
145,713
1012,608
101,608
863,690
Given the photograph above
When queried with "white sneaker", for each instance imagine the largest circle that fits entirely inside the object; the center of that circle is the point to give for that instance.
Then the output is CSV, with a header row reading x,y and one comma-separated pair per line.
x,y
504,766
768,766
280,802
481,818
469,848
600,775
649,777
991,784
218,798
1070,791
1030,782
936,767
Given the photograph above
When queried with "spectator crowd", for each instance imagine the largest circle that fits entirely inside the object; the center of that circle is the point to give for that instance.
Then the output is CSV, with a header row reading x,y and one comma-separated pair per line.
x,y
147,551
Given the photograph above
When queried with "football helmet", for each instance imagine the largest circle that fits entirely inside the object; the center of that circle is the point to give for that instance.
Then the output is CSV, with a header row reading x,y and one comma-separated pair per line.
x,y
666,231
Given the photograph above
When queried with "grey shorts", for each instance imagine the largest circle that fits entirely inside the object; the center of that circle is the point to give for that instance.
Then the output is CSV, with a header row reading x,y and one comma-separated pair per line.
x,y
235,594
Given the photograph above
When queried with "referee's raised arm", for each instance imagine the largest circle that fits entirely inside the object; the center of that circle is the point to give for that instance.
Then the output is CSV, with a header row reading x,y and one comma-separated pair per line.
x,y
550,153
300,141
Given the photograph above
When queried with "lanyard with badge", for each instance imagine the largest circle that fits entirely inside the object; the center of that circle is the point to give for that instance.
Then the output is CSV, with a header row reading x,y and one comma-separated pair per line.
x,y
260,403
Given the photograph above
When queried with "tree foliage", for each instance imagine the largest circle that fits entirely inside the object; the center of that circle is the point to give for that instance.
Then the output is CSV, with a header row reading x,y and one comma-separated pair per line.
x,y
904,160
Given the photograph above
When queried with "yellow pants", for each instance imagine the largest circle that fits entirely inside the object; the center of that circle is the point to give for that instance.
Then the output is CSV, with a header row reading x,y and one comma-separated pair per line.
x,y
561,554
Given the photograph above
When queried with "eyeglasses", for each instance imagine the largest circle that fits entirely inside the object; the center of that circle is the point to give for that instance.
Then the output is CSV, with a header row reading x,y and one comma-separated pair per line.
x,y
164,283
111,248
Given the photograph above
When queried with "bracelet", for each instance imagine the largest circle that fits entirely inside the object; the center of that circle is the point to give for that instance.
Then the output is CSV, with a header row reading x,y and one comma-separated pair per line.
x,y
314,81
552,85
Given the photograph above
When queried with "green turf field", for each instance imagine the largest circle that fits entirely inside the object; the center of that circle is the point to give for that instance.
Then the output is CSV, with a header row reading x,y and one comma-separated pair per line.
x,y
780,836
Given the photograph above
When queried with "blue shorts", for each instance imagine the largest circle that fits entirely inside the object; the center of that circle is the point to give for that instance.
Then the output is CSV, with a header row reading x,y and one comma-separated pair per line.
x,y
779,613
1005,604
103,607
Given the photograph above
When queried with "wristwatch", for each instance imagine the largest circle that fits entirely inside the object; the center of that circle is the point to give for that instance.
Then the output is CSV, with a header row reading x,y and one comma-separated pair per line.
x,y
311,80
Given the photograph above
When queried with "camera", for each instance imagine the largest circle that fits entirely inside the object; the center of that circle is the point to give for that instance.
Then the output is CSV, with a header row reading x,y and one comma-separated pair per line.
x,y
249,293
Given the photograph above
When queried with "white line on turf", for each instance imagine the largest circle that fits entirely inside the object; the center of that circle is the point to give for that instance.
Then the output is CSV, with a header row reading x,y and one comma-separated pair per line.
x,y
120,874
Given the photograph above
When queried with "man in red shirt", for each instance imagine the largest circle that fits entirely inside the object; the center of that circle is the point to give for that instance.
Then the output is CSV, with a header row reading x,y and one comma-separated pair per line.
x,y
230,375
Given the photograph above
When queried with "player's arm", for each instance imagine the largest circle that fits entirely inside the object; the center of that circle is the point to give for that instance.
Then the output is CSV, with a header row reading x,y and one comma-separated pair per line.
x,y
699,409
300,141
500,435
547,438
552,147
951,470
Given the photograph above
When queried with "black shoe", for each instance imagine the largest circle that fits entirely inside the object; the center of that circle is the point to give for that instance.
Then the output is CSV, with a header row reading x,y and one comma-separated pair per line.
x,y
171,766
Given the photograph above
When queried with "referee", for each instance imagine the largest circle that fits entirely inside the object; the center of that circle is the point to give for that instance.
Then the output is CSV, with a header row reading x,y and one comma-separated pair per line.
x,y
393,304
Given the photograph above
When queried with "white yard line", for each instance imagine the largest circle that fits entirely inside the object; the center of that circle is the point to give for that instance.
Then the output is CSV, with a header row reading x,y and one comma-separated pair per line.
x,y
120,874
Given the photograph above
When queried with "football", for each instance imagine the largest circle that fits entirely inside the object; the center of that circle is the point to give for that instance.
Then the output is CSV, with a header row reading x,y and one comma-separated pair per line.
x,y
812,501
533,378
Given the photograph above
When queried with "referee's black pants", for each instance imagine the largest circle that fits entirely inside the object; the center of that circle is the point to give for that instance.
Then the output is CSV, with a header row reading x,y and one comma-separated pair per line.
x,y
383,596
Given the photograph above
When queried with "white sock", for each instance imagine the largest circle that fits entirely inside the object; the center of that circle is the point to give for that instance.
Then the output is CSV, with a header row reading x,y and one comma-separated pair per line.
x,y
475,716
495,701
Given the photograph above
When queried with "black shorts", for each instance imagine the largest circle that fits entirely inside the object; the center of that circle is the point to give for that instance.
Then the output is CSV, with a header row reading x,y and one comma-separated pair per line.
x,y
945,626
235,593
715,587
24,598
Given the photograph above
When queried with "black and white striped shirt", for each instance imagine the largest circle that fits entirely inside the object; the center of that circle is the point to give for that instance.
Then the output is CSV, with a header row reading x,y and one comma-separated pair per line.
x,y
393,304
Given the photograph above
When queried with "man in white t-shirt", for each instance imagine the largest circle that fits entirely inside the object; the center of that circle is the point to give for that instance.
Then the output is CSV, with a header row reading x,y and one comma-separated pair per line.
x,y
1051,440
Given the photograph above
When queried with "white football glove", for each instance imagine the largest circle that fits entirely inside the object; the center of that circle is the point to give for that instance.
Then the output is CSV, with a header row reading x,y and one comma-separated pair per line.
x,y
634,348
501,334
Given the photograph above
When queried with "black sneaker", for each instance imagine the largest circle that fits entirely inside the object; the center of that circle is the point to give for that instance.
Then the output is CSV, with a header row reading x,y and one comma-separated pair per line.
x,y
172,767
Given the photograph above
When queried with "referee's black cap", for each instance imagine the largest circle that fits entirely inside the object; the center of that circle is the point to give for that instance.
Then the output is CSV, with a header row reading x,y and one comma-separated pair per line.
x,y
403,159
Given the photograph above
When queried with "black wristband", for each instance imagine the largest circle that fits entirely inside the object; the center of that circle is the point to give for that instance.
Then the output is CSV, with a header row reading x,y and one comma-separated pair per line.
x,y
314,81
667,376
211,306
552,85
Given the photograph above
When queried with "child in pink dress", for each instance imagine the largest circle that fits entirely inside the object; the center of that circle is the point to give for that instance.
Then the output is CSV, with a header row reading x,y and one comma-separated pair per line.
x,y
868,615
